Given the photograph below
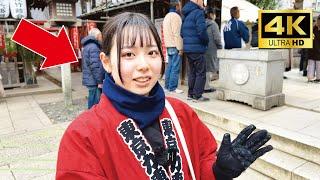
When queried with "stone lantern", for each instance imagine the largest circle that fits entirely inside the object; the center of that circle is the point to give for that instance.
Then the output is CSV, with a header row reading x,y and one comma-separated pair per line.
x,y
62,10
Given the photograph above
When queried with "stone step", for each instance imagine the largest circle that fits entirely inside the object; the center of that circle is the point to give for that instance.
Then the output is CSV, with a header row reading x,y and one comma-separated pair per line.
x,y
252,175
275,164
299,145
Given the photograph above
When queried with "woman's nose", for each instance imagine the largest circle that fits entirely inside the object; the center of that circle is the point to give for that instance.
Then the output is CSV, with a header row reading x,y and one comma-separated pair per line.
x,y
143,64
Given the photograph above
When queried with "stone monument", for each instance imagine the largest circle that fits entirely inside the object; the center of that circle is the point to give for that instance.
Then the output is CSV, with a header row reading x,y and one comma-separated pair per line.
x,y
252,76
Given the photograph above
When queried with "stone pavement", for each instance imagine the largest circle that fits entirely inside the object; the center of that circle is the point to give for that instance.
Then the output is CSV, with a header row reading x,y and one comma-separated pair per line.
x,y
28,138
44,86
29,141
301,94
30,154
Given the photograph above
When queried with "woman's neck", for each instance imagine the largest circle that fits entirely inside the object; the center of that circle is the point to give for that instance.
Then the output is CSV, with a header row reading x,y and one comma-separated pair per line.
x,y
143,109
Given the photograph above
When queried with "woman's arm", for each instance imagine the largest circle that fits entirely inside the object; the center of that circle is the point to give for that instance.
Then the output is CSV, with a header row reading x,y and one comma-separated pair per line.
x,y
76,157
207,147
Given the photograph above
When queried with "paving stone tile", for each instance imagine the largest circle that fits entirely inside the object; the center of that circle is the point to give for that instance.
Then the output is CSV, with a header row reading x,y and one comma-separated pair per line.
x,y
35,167
249,112
46,177
4,114
27,124
5,122
292,119
5,173
23,115
313,130
29,144
7,130
307,171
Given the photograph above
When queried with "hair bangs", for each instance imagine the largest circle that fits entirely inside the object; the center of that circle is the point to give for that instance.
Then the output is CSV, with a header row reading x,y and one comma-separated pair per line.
x,y
137,36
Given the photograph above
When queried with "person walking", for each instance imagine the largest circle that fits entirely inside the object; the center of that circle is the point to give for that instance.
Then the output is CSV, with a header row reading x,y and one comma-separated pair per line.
x,y
173,41
212,61
235,30
92,70
314,55
195,42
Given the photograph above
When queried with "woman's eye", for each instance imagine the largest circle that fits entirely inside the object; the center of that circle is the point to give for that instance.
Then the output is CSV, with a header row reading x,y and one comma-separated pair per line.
x,y
128,55
154,53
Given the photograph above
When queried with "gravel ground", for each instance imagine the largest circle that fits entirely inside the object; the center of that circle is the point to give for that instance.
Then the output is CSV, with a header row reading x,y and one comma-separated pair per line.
x,y
58,113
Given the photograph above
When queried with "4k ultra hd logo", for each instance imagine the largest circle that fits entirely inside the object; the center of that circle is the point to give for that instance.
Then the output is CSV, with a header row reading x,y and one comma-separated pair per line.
x,y
285,29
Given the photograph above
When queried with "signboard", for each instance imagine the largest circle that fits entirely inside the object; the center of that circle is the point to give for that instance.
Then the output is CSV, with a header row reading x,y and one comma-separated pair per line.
x,y
18,9
285,29
4,8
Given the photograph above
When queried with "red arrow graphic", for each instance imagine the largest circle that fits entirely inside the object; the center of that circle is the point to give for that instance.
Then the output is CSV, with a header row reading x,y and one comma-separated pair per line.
x,y
56,50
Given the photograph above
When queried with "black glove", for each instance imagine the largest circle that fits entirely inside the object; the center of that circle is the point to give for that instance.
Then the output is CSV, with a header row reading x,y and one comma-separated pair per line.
x,y
236,156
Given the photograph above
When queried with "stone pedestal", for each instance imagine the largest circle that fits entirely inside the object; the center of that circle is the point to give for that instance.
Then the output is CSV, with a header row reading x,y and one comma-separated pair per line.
x,y
252,76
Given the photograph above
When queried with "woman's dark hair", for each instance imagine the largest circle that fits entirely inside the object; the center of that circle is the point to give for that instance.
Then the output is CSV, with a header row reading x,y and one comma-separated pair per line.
x,y
208,11
130,25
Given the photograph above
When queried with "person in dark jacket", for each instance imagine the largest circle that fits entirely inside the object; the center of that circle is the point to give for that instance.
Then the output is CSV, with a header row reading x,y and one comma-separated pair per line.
x,y
314,55
254,34
92,70
304,61
212,61
195,42
235,30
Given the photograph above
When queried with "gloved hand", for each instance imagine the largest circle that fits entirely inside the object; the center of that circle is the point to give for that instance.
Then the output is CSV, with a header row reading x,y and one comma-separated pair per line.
x,y
236,156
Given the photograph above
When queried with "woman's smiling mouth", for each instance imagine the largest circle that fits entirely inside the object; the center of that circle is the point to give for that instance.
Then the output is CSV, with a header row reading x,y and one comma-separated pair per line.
x,y
142,81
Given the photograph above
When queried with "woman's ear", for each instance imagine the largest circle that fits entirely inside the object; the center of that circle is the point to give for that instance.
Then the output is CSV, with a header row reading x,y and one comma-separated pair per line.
x,y
106,62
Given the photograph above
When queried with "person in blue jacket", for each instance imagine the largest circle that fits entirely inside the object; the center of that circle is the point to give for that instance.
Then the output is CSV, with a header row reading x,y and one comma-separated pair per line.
x,y
235,30
195,42
92,70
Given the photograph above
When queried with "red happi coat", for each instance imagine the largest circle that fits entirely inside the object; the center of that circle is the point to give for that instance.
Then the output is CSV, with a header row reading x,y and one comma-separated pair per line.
x,y
97,145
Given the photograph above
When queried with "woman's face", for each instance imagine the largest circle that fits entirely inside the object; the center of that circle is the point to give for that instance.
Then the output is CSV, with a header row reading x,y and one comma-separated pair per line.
x,y
140,65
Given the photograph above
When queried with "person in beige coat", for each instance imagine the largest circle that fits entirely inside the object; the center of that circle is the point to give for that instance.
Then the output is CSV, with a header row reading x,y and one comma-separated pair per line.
x,y
174,44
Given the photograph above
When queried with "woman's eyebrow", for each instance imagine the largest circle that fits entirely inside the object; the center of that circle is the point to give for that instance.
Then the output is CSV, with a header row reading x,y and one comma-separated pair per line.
x,y
133,46
152,45
127,47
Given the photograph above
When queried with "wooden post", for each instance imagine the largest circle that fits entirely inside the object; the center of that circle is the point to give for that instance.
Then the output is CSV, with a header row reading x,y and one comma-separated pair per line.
x,y
151,10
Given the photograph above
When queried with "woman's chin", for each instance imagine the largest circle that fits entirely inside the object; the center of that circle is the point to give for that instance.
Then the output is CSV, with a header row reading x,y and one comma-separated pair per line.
x,y
142,91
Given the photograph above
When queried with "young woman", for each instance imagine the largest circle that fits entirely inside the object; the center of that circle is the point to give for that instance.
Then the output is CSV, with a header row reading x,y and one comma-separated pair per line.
x,y
134,133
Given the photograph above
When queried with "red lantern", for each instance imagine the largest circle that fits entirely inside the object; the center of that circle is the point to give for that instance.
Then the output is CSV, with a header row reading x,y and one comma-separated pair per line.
x,y
74,37
2,42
